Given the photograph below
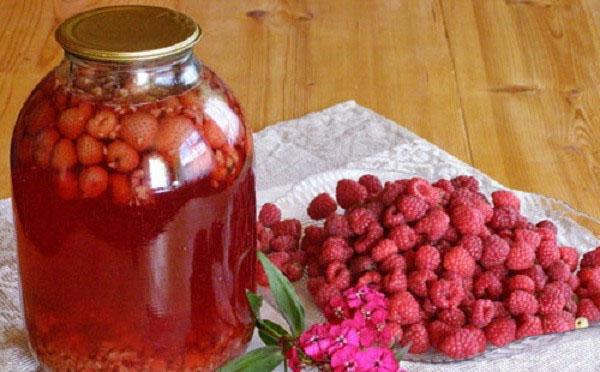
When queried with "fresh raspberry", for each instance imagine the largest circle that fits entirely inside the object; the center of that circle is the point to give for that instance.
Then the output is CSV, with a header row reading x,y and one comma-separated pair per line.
x,y
474,200
591,259
140,130
64,155
290,226
120,188
446,293
338,274
495,251
394,329
547,225
451,235
261,275
420,188
122,157
500,271
325,293
520,282
590,279
315,234
416,335
563,287
66,185
213,134
350,193
558,322
103,124
503,198
42,146
71,122
501,332
313,269
487,285
299,256
573,281
321,206
462,343
393,263
391,217
403,308
458,260
412,208
314,283
570,256
263,236
376,207
279,259
294,271
559,271
482,313
467,182
537,274
384,249
335,249
429,309
90,151
587,309
373,234
521,256
93,181
547,253
371,183
394,282
453,316
283,243
359,219
427,257
504,218
390,192
529,325
404,236
528,236
551,300
269,214
369,279
520,302
467,220
337,225
434,224
419,280
472,244
437,331
360,264
445,185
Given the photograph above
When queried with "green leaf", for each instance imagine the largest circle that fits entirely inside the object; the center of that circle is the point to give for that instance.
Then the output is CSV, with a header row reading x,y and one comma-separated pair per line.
x,y
263,359
400,352
285,296
255,301
267,338
273,328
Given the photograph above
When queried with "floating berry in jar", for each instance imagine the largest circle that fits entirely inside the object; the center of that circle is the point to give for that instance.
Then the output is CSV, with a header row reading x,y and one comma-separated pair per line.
x,y
139,130
191,100
43,145
120,188
66,185
93,181
43,115
103,124
213,134
72,121
174,132
122,157
90,151
64,155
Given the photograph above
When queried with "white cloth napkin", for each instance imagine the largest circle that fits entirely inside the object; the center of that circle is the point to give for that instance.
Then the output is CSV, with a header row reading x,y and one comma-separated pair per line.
x,y
348,137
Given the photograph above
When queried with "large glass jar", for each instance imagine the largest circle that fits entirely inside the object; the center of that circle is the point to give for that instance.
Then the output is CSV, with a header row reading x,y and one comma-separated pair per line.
x,y
134,201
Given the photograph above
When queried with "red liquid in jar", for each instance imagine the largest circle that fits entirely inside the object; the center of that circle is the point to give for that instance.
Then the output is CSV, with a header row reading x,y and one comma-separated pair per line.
x,y
152,281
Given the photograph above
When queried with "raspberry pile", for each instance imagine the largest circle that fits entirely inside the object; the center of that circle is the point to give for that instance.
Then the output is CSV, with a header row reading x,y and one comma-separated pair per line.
x,y
280,241
460,272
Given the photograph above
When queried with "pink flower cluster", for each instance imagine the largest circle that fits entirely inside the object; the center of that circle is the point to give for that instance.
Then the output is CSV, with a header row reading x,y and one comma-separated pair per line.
x,y
355,338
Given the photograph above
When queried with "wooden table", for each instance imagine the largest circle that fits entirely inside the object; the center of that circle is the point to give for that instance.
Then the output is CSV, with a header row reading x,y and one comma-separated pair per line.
x,y
509,86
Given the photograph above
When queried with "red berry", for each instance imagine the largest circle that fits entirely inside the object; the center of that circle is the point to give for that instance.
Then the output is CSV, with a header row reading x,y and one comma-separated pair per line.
x,y
338,274
393,263
587,309
93,181
294,271
487,285
422,189
360,264
404,309
570,256
463,343
90,151
495,251
537,274
520,282
269,214
372,235
103,124
283,243
547,253
437,331
521,256
122,157
591,259
290,226
315,234
412,207
41,116
590,279
64,155
528,236
419,280
501,332
324,294
66,185
321,206
391,217
383,249
359,219
467,182
529,325
369,279
371,183
453,316
504,218
551,300
427,257
394,282
350,193
213,133
521,302
416,335
458,260
558,322
482,313
43,144
446,293
72,121
337,225
503,198
335,249
467,220
279,259
140,130
434,224
120,188
559,271
473,245
404,236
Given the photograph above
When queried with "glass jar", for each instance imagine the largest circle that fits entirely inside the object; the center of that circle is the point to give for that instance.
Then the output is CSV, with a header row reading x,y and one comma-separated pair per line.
x,y
134,200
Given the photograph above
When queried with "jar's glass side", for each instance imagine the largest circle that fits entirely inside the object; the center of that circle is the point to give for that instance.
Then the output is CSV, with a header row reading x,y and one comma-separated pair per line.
x,y
134,214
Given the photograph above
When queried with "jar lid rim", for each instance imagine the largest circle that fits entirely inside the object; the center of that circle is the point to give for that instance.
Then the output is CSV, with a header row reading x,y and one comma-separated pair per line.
x,y
128,33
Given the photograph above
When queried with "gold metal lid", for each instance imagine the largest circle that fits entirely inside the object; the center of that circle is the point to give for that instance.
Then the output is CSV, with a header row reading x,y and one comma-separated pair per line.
x,y
128,33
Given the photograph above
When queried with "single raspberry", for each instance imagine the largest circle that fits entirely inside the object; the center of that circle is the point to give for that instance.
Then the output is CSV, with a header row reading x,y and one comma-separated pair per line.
x,y
503,198
404,236
564,288
338,274
376,207
590,279
393,263
359,219
283,243
335,249
591,259
537,274
547,253
269,214
140,130
90,151
290,226
294,271
261,275
504,218
321,206
528,236
570,256
279,259
391,217
419,280
437,331
462,343
559,271
66,185
394,329
416,335
520,282
372,235
446,293
394,282
265,236
412,207
42,146
472,244
558,322
371,183
314,283
313,269
41,116
501,332
551,300
103,124
500,271
458,260
573,281
547,225
445,185
521,256
434,224
453,316
528,325
122,157
482,313
315,234
325,293
467,220
384,249
451,235
467,182
390,192
495,251
487,285
213,133
403,308
71,122
350,193
93,181
299,256
64,155
120,188
427,257
521,302
587,309
429,309
337,225
360,264
370,279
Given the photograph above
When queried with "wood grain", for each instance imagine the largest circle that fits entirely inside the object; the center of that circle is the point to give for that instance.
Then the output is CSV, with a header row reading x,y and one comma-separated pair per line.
x,y
508,86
